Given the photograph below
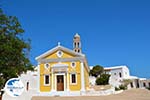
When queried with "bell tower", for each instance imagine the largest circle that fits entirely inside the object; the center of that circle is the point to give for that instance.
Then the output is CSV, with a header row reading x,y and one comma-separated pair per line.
x,y
77,43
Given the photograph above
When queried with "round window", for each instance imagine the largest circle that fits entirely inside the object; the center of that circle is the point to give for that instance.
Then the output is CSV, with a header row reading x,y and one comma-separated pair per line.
x,y
59,53
47,65
73,64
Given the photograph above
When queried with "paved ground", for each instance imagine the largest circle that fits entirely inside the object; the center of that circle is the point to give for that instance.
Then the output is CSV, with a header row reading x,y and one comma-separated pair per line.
x,y
133,94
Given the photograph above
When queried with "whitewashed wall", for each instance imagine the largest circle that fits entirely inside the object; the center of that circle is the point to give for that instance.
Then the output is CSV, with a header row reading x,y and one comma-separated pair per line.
x,y
30,77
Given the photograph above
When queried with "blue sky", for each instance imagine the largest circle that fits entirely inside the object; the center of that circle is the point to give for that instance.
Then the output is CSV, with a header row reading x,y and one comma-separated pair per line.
x,y
113,32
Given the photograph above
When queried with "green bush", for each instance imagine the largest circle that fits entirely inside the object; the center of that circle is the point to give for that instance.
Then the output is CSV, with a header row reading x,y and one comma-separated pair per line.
x,y
103,79
148,88
117,88
123,87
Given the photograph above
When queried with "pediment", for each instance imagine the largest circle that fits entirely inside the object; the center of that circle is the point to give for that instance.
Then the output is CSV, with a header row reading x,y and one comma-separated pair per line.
x,y
57,52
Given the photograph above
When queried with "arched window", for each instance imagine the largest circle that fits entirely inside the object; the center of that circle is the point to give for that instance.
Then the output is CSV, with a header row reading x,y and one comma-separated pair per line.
x,y
75,44
78,51
78,45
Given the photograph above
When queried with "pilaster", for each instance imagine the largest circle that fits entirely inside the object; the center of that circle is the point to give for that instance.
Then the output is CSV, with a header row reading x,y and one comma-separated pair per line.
x,y
82,77
68,89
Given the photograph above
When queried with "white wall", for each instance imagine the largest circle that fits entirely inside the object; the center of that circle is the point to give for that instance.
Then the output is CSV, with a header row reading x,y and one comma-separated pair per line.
x,y
30,77
115,79
147,83
117,73
92,80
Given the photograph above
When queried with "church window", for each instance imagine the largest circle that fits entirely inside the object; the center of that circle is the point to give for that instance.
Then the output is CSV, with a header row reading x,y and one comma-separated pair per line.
x,y
46,79
59,53
47,65
73,79
73,64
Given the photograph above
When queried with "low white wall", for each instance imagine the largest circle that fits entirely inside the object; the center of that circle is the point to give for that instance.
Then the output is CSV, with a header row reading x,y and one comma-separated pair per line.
x,y
30,77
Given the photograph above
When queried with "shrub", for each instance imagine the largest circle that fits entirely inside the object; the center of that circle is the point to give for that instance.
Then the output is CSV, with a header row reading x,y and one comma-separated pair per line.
x,y
123,87
148,88
103,79
117,88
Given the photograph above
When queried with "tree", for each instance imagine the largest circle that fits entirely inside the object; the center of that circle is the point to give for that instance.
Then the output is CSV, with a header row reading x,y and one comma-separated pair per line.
x,y
103,79
13,49
96,70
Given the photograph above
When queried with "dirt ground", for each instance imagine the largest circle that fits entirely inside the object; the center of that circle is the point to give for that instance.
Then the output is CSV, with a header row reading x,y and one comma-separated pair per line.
x,y
133,94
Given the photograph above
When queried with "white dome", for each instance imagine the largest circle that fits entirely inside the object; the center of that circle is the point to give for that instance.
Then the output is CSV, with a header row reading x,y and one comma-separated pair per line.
x,y
77,35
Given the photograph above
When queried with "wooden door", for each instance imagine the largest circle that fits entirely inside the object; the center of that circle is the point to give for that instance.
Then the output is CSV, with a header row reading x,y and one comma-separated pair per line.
x,y
60,83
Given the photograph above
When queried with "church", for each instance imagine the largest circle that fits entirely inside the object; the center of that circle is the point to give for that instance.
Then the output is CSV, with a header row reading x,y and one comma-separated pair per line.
x,y
62,71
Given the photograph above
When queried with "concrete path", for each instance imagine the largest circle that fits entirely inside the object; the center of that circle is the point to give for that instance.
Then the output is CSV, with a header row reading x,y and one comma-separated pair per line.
x,y
133,94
